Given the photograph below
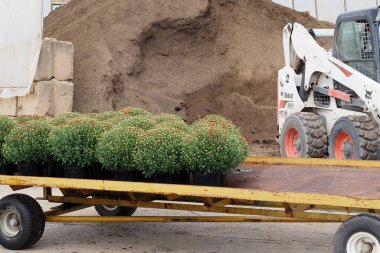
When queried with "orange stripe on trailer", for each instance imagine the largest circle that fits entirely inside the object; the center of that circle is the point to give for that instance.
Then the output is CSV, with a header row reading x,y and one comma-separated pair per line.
x,y
340,95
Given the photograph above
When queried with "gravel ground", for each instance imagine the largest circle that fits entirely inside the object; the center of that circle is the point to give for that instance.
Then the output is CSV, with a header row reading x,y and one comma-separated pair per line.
x,y
179,237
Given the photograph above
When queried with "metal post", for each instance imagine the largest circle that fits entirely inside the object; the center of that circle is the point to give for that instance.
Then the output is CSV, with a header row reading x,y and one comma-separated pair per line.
x,y
316,8
17,107
293,4
345,5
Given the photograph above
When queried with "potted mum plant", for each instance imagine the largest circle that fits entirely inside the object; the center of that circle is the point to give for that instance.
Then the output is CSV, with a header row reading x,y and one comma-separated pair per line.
x,y
108,116
215,120
29,118
171,120
212,150
158,153
6,125
73,146
142,122
178,125
132,111
27,146
114,152
64,118
166,117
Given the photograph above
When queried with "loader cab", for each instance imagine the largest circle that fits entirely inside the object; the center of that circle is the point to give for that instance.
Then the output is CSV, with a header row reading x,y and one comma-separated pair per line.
x,y
356,41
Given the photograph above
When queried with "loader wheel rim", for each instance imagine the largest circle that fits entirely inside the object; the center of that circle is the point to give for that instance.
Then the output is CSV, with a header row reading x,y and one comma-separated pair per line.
x,y
344,147
293,143
363,242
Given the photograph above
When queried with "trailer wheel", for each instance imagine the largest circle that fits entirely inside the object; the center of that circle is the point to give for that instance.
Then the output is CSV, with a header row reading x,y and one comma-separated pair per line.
x,y
360,234
354,138
105,210
22,221
304,135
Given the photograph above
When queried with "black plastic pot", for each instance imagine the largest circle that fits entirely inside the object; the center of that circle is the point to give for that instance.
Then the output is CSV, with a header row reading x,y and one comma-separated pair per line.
x,y
207,180
57,171
123,175
8,169
76,172
95,172
181,178
138,176
163,178
106,174
30,169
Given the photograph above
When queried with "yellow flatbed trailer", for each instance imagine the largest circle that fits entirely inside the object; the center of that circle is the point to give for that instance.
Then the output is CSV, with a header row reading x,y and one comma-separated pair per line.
x,y
262,190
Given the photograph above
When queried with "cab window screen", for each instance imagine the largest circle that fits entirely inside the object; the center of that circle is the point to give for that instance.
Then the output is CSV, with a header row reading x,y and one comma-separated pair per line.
x,y
355,46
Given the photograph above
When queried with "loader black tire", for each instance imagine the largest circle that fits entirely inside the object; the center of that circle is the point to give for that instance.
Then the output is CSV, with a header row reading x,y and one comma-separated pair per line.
x,y
359,231
304,135
104,210
22,221
354,138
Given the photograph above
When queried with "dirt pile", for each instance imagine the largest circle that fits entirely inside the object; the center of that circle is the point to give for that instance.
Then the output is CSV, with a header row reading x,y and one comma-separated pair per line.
x,y
216,56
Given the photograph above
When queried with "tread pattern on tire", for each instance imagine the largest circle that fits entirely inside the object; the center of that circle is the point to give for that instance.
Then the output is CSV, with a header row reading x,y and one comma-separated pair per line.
x,y
37,222
315,133
367,130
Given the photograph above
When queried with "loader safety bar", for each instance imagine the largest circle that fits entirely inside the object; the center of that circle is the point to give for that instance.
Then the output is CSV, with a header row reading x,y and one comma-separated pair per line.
x,y
324,33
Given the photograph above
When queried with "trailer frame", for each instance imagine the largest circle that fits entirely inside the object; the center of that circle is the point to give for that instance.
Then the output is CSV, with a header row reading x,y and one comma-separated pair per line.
x,y
238,205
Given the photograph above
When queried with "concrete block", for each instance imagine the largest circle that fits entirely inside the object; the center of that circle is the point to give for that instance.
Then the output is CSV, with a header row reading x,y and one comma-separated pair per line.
x,y
63,60
63,94
8,106
39,102
45,63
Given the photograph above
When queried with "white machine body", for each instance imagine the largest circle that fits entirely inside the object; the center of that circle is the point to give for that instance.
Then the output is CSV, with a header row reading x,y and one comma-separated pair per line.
x,y
321,71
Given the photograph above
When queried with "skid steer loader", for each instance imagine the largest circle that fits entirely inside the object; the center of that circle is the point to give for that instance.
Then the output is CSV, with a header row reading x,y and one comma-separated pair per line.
x,y
329,102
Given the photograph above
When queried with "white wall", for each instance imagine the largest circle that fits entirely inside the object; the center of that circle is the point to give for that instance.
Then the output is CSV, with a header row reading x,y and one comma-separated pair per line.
x,y
46,7
305,5
362,4
328,9
287,3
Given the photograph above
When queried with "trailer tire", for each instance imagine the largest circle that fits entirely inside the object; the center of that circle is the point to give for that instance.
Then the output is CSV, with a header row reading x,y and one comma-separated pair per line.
x,y
354,138
358,234
22,221
105,210
304,135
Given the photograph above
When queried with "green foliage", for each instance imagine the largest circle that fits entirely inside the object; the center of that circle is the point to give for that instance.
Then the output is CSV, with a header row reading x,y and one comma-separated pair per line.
x,y
111,117
128,139
142,122
131,111
159,150
65,117
6,125
213,120
171,120
74,143
115,147
165,117
214,149
28,142
29,118
179,125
